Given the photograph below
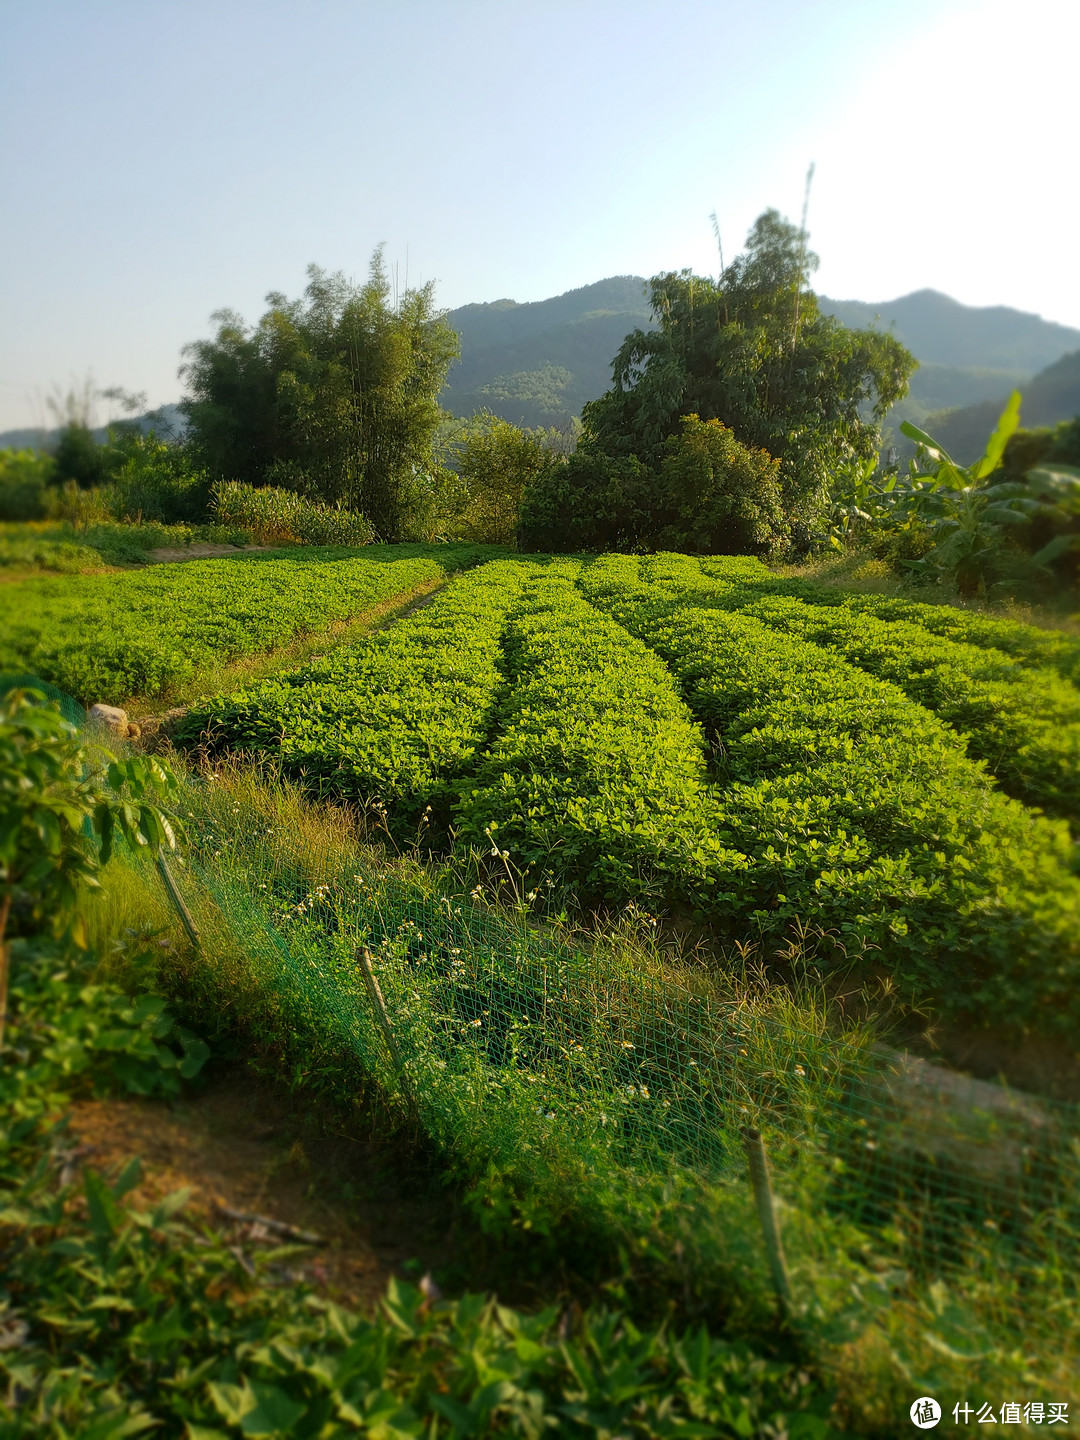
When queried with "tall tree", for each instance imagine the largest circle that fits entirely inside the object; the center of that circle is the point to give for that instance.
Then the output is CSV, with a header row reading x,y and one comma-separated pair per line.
x,y
333,394
753,350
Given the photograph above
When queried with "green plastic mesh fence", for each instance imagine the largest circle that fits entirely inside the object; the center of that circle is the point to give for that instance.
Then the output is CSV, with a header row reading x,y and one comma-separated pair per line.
x,y
71,710
618,1095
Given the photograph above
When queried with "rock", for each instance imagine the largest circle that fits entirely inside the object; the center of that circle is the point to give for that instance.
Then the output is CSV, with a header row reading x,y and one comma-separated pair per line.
x,y
111,717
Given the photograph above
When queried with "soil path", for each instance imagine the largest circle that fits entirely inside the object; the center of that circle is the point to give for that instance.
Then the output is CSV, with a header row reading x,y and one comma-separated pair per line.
x,y
201,550
241,1145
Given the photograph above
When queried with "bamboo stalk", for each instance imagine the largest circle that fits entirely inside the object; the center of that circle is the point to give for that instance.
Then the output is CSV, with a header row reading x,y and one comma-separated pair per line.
x,y
766,1208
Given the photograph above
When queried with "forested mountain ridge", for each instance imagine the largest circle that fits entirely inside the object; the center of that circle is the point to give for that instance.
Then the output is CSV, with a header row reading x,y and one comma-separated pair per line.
x,y
537,363
1051,396
941,331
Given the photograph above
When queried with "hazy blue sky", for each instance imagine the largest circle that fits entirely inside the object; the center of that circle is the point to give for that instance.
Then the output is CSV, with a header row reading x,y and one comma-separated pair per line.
x,y
160,159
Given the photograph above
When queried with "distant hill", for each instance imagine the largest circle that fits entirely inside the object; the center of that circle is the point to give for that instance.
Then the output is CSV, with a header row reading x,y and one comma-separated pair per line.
x,y
967,354
39,439
941,331
537,363
1053,395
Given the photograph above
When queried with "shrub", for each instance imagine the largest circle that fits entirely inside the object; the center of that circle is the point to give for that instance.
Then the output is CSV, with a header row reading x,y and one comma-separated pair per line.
x,y
25,477
496,462
158,482
593,502
725,497
281,517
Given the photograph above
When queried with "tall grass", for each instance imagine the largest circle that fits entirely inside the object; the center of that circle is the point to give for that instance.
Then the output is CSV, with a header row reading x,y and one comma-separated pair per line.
x,y
280,517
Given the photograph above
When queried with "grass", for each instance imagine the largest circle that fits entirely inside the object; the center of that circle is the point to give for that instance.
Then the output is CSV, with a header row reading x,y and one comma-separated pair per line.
x,y
879,1311
119,1316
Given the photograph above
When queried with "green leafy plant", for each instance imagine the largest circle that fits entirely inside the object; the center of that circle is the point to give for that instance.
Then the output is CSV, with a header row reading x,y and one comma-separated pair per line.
x,y
282,517
967,516
65,799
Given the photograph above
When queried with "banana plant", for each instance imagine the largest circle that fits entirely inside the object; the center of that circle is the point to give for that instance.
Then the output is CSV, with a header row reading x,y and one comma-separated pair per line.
x,y
968,518
1048,496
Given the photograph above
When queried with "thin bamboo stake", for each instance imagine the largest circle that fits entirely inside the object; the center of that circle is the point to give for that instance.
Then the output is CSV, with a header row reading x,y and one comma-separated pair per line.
x,y
5,961
382,1015
178,900
766,1208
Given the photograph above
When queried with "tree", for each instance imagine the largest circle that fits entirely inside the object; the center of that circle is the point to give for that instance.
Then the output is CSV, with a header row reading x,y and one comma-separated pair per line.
x,y
593,502
333,395
724,498
496,462
753,351
709,494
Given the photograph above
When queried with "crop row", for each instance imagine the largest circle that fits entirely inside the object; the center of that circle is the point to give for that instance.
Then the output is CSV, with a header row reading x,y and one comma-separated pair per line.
x,y
856,809
598,771
1026,644
1025,723
391,719
109,637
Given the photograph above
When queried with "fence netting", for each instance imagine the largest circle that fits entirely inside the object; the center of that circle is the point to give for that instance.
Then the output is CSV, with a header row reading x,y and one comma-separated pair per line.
x,y
617,1093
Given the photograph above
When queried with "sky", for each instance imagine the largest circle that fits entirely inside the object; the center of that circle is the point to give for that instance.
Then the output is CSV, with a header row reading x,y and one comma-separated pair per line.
x,y
164,159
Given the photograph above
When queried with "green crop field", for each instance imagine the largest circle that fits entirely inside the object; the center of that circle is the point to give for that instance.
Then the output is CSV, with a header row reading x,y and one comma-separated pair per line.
x,y
571,871
686,735
109,637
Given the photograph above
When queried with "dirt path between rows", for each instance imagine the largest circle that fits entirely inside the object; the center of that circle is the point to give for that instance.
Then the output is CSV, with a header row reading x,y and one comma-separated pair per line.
x,y
201,550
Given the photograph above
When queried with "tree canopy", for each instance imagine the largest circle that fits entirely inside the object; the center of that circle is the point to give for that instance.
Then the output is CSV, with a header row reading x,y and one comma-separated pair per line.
x,y
333,394
753,350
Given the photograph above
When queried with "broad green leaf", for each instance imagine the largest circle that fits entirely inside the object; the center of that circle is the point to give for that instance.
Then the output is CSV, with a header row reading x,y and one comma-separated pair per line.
x,y
1008,421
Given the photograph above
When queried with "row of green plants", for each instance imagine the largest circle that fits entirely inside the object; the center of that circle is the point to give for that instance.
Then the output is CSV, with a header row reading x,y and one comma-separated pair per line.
x,y
1029,645
110,637
850,806
1024,723
1025,726
596,773
118,1319
393,719
834,798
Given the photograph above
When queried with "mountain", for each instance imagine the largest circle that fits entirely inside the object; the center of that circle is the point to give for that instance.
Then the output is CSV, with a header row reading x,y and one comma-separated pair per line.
x,y
40,439
537,363
941,331
1053,395
967,354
